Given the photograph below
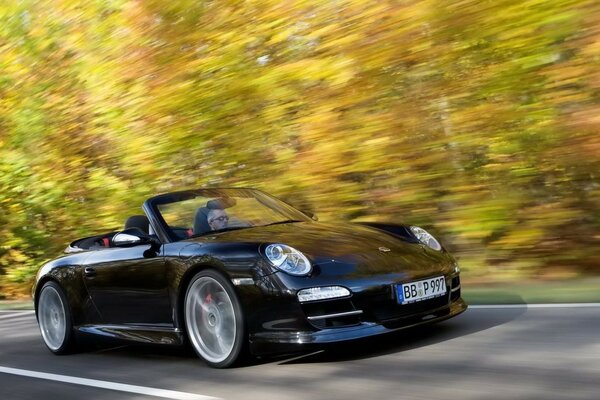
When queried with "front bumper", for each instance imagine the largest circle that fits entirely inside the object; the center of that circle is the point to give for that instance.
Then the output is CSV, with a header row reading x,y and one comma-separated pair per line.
x,y
281,342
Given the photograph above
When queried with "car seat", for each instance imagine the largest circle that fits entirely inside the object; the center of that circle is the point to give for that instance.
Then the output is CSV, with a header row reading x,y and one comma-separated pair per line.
x,y
201,221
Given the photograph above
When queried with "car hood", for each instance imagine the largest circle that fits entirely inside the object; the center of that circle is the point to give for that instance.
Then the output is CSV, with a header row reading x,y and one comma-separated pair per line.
x,y
345,248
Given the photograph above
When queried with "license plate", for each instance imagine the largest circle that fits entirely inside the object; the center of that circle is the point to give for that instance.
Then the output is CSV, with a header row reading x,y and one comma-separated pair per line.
x,y
421,290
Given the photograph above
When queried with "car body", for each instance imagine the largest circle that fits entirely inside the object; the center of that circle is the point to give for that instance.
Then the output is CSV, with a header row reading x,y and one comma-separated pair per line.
x,y
273,280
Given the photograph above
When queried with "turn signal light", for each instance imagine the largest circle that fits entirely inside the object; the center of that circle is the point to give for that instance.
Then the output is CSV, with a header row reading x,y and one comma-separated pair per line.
x,y
322,293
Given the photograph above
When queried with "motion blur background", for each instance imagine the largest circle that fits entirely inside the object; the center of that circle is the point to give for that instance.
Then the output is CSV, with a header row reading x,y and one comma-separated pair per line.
x,y
477,119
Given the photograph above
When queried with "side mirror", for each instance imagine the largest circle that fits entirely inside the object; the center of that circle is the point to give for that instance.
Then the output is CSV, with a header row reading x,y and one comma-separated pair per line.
x,y
134,237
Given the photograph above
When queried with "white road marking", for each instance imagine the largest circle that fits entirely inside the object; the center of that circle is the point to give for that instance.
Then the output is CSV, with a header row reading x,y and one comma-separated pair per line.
x,y
121,387
557,305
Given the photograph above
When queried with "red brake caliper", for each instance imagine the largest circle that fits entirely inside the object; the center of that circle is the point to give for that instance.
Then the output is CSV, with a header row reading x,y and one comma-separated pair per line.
x,y
207,300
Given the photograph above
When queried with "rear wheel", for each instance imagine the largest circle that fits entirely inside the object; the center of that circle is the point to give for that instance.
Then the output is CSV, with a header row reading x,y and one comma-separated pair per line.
x,y
214,320
54,319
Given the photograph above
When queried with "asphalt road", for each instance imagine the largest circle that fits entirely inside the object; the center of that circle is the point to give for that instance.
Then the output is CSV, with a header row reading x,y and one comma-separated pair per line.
x,y
505,353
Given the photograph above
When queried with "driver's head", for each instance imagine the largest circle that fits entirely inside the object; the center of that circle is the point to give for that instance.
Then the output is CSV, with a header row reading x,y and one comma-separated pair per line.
x,y
217,219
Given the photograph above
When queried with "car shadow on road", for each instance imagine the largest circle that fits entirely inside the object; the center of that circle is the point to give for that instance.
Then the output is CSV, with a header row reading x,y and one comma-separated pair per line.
x,y
138,350
470,322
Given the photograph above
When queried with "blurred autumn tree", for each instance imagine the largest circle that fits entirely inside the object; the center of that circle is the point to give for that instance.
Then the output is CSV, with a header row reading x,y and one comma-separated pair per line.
x,y
479,118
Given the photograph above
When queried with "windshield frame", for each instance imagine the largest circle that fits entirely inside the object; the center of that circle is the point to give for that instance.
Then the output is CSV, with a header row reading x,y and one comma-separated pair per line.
x,y
166,235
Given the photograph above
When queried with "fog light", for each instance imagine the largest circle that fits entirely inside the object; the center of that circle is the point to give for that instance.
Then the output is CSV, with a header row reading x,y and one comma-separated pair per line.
x,y
322,293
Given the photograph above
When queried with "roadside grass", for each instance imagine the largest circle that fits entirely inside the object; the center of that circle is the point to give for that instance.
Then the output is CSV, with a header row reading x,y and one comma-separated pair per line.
x,y
16,305
584,290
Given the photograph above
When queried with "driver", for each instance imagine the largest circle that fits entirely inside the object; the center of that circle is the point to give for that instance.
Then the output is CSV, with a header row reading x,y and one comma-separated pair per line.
x,y
217,219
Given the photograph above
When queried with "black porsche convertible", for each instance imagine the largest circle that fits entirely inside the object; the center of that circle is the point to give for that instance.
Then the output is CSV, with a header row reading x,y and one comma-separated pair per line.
x,y
237,271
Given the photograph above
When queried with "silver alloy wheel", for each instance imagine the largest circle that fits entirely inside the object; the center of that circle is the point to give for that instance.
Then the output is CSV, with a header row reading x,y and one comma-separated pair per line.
x,y
210,319
52,318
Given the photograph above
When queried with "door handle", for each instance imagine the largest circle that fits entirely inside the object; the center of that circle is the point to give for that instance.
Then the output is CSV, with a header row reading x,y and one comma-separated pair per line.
x,y
89,271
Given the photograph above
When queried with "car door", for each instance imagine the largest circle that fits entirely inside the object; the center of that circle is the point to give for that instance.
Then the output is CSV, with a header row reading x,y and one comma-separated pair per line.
x,y
128,285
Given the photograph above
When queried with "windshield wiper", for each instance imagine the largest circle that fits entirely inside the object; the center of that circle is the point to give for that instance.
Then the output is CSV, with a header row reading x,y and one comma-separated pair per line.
x,y
287,221
233,228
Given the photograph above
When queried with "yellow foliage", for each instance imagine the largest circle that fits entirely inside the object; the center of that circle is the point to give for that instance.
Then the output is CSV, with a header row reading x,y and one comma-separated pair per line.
x,y
478,117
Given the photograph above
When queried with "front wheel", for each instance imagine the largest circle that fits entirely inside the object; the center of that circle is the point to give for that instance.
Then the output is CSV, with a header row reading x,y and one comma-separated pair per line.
x,y
54,319
213,319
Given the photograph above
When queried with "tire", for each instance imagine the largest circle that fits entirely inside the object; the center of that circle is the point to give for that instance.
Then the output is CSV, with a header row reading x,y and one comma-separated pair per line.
x,y
54,319
213,319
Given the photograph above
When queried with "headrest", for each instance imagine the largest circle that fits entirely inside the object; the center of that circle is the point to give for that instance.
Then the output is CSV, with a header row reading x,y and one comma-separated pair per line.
x,y
220,203
138,221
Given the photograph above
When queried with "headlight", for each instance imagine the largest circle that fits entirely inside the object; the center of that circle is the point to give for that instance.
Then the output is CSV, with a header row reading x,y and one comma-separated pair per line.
x,y
288,259
426,238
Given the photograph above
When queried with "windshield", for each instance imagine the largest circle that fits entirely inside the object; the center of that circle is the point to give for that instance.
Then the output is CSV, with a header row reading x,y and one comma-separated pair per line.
x,y
198,212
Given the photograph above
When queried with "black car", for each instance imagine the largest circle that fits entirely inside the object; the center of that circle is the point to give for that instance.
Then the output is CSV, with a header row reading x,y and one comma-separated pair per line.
x,y
235,271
